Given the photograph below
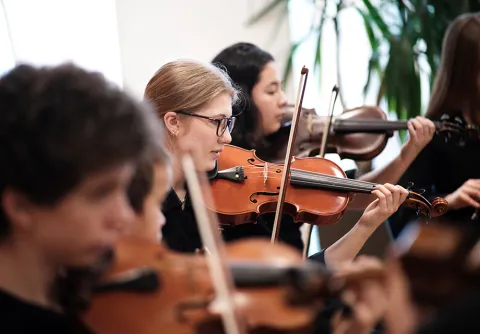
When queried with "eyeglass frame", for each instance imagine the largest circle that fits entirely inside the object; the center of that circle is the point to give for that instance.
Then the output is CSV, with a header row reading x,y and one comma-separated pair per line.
x,y
211,119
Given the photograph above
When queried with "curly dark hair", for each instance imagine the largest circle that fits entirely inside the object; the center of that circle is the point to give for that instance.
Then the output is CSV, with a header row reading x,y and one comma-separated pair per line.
x,y
143,179
59,124
244,62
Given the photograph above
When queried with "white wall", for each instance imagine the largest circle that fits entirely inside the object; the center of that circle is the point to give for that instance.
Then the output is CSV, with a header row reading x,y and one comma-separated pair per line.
x,y
153,32
49,32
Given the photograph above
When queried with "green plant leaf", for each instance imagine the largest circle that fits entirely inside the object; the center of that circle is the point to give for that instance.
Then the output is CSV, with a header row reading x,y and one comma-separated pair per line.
x,y
373,67
268,8
288,67
279,22
318,49
367,23
377,19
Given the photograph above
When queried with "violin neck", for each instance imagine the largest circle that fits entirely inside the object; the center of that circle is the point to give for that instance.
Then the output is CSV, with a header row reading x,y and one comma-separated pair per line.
x,y
302,178
370,125
247,274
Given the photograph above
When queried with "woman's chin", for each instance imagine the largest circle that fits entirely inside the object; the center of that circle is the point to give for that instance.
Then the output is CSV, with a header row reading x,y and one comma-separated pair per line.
x,y
211,165
273,129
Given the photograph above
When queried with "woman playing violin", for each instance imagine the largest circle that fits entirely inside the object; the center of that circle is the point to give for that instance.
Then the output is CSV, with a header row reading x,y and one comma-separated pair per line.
x,y
254,71
68,147
195,101
443,168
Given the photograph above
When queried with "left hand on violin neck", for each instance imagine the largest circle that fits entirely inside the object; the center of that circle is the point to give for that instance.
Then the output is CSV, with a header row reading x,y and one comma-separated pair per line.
x,y
389,198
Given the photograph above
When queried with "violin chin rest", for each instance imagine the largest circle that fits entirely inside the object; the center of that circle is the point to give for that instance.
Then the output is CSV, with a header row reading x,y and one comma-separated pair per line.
x,y
139,280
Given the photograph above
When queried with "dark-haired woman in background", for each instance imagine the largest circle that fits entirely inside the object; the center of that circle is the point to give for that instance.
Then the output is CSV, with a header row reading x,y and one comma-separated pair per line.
x,y
446,169
260,114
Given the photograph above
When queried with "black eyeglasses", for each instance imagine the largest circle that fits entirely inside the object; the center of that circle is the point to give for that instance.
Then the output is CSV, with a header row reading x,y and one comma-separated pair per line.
x,y
222,123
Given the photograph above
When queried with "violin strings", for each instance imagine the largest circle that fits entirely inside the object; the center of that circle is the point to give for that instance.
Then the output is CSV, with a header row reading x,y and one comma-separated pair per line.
x,y
332,177
316,179
371,121
313,178
328,180
306,175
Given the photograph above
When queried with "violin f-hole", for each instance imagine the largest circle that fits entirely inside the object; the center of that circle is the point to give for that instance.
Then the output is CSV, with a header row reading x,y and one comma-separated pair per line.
x,y
261,193
183,308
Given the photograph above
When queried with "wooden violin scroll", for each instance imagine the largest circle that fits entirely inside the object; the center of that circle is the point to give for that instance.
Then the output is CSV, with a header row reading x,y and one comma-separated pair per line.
x,y
439,207
216,255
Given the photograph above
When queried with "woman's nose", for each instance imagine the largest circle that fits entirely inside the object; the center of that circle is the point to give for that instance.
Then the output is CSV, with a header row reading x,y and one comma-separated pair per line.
x,y
226,138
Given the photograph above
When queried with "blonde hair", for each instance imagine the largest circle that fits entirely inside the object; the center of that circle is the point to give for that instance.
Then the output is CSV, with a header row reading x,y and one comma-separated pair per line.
x,y
187,85
456,85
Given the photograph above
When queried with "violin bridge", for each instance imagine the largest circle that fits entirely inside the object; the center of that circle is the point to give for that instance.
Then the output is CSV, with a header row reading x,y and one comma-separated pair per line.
x,y
265,173
310,123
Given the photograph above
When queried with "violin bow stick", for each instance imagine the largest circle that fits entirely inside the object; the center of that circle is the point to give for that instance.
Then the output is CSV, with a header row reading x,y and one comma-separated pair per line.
x,y
323,149
288,157
216,255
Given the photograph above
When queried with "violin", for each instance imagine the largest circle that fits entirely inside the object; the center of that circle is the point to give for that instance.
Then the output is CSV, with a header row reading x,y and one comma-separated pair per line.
x,y
360,133
246,186
441,260
149,289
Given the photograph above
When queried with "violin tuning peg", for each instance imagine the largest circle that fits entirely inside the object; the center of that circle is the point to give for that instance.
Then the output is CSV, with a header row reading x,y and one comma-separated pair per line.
x,y
410,185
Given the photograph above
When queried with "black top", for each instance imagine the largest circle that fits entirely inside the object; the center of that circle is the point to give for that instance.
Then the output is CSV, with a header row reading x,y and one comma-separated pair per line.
x,y
20,317
441,168
180,232
460,316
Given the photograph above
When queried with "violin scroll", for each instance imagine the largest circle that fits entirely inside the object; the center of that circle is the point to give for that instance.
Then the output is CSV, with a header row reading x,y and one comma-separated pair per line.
x,y
437,208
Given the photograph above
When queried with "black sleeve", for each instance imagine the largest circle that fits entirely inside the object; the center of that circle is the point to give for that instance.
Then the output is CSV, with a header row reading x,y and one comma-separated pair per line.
x,y
422,175
289,230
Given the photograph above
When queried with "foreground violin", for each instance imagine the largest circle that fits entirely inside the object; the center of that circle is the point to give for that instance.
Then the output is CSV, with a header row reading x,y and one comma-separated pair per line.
x,y
318,190
149,290
441,260
359,133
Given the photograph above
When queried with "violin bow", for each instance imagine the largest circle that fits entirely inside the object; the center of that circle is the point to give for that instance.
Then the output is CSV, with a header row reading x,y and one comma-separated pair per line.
x,y
216,254
323,149
288,157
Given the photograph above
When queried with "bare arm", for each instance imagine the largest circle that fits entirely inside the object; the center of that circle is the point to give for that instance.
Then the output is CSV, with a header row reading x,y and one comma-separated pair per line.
x,y
421,133
347,247
388,199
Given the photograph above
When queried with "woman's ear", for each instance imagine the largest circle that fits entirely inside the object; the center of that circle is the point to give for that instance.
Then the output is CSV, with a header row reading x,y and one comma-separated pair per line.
x,y
17,209
172,123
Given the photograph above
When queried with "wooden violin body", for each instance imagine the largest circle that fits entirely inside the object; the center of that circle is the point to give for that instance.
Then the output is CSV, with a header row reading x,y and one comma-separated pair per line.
x,y
441,260
149,290
348,145
256,191
360,134
318,190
